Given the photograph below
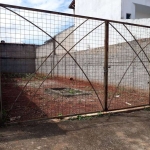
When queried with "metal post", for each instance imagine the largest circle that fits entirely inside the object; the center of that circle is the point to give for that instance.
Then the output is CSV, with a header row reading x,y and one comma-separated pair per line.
x,y
106,64
149,90
0,99
53,57
65,68
1,115
149,85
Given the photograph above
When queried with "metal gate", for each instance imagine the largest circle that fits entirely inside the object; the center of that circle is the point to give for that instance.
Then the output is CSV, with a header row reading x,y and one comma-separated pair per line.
x,y
56,64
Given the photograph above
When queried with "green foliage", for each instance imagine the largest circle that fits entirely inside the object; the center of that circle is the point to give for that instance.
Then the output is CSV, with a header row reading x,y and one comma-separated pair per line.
x,y
71,91
74,91
60,116
99,114
147,109
79,117
25,76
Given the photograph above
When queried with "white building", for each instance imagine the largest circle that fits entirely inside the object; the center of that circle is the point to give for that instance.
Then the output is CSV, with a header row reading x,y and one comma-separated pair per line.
x,y
112,9
132,11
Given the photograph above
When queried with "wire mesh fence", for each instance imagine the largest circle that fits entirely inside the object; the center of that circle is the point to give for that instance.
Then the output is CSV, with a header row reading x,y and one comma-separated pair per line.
x,y
55,64
129,66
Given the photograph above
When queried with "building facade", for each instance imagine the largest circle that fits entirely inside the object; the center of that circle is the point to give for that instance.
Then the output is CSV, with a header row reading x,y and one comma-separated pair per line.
x,y
112,9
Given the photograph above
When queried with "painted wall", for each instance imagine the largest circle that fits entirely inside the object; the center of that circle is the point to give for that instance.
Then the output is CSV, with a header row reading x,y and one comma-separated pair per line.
x,y
107,9
51,45
17,58
113,10
130,6
142,11
96,37
44,50
92,62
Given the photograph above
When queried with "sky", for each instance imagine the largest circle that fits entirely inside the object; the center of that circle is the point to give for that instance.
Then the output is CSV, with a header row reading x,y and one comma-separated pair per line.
x,y
52,5
14,29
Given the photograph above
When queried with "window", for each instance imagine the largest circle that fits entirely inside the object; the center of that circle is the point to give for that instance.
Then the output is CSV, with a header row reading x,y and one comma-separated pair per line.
x,y
128,16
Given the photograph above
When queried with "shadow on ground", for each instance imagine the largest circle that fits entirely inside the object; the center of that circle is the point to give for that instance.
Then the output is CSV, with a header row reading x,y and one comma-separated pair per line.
x,y
29,131
112,132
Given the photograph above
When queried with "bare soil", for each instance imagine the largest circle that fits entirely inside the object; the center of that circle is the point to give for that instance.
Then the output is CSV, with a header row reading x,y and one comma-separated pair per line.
x,y
35,103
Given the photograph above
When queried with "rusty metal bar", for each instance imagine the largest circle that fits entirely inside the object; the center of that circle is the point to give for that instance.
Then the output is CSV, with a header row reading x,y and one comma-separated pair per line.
x,y
68,117
137,56
1,112
149,85
68,52
106,64
1,115
80,16
137,42
59,44
149,82
124,76
37,94
149,90
132,49
54,55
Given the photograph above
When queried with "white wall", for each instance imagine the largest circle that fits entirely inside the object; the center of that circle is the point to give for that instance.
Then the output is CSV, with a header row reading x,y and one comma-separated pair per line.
x,y
107,9
129,6
113,9
51,45
142,11
96,38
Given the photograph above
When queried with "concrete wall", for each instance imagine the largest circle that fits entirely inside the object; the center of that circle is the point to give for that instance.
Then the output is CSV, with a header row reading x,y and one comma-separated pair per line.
x,y
51,45
89,53
96,38
91,61
17,58
68,43
142,11
133,7
107,9
120,57
25,58
113,10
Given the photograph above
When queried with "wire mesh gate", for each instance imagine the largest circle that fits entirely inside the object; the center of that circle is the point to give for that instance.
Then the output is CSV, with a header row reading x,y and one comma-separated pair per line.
x,y
55,64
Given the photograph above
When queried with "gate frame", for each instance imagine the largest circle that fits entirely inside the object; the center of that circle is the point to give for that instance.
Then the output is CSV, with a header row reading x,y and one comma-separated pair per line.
x,y
1,111
106,50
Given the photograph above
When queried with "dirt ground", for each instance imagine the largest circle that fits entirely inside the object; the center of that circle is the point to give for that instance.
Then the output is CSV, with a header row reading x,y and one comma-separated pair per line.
x,y
125,131
40,102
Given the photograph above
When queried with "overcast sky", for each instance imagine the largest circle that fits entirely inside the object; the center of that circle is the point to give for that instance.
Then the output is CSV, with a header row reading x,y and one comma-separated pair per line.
x,y
52,5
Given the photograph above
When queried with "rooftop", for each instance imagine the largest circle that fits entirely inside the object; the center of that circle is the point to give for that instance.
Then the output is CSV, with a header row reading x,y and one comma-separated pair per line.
x,y
72,5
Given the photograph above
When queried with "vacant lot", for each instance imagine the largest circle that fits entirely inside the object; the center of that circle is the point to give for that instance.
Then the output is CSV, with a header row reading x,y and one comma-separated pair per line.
x,y
126,131
38,99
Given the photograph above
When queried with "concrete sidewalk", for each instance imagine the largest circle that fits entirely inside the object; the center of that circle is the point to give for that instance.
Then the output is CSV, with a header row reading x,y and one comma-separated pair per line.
x,y
126,131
